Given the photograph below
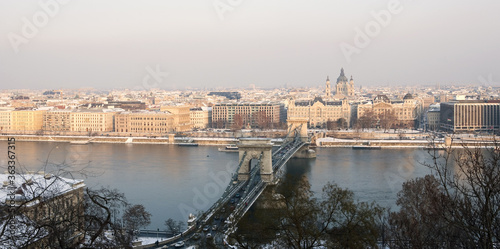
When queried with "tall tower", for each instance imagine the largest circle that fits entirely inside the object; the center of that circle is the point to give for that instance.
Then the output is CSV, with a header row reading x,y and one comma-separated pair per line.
x,y
328,90
351,87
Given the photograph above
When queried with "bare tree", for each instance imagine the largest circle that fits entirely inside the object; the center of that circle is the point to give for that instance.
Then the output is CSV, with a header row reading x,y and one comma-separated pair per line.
x,y
330,125
136,217
219,124
263,121
342,123
367,120
50,216
173,226
420,222
463,201
299,220
387,119
237,122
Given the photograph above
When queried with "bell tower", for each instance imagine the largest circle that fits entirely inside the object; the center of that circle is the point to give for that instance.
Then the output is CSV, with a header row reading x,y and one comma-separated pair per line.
x,y
328,90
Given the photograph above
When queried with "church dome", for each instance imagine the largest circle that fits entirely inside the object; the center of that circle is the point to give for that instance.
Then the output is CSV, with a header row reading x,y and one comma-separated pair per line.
x,y
342,77
408,96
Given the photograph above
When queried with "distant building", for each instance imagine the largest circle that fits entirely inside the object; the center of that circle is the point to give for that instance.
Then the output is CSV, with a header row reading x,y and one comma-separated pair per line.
x,y
182,119
92,120
127,105
407,112
470,115
57,120
145,122
319,111
27,120
201,117
433,118
228,95
5,120
261,114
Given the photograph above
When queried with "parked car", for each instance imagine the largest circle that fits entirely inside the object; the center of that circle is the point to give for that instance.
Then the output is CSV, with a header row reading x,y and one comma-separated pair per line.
x,y
196,236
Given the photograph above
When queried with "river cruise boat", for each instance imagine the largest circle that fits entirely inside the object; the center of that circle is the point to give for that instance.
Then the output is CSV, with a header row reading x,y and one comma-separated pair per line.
x,y
229,148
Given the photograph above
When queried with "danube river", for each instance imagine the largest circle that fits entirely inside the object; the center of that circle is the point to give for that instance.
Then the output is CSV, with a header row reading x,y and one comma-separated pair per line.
x,y
172,181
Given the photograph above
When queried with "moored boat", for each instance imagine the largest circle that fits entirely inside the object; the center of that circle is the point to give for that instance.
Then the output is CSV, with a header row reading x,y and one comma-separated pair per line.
x,y
229,148
366,147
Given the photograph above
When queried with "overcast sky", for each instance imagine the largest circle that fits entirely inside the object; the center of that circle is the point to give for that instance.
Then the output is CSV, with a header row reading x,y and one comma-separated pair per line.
x,y
192,43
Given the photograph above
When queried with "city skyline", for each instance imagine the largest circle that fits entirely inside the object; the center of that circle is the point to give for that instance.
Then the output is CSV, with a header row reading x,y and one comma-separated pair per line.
x,y
119,44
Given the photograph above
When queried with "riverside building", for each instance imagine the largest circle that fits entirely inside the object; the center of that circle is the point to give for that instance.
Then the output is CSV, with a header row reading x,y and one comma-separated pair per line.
x,y
470,116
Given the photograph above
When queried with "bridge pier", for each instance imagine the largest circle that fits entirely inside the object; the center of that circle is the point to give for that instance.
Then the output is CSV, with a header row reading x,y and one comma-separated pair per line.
x,y
256,148
305,152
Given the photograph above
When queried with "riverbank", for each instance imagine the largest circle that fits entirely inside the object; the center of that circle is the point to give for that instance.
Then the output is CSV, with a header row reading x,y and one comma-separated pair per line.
x,y
389,143
222,141
128,140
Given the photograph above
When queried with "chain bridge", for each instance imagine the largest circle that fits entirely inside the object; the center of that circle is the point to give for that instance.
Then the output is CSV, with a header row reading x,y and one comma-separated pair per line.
x,y
250,182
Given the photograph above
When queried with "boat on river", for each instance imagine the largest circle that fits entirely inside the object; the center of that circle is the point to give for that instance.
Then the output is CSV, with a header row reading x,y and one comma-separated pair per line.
x,y
229,148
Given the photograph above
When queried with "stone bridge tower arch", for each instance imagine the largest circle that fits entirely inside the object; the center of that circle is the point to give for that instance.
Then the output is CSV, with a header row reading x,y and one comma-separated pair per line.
x,y
294,123
255,148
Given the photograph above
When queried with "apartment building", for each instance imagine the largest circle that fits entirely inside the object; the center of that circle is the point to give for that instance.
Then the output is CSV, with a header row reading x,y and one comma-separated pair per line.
x,y
5,119
260,114
57,120
433,117
181,114
201,117
145,122
92,120
27,120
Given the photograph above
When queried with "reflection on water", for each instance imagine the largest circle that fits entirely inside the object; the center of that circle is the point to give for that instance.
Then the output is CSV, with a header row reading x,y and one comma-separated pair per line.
x,y
171,180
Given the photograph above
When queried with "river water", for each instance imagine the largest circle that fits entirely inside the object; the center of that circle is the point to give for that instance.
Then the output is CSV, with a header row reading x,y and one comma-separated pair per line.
x,y
172,181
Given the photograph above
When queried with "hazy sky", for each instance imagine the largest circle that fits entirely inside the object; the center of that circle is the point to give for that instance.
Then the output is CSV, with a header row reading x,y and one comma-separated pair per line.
x,y
120,43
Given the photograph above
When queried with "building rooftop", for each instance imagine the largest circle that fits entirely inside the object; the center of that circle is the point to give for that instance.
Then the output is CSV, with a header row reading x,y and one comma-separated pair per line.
x,y
30,187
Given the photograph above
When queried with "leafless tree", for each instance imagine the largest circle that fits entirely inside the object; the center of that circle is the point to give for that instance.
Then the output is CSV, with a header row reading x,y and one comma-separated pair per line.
x,y
330,125
342,123
462,200
136,217
173,226
387,119
237,122
299,220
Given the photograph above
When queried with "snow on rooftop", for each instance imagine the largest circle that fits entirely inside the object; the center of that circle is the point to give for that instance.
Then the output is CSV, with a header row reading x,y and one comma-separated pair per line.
x,y
31,186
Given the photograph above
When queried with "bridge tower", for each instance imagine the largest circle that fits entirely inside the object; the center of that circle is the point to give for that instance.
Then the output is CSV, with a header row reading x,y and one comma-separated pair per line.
x,y
255,148
293,123
301,123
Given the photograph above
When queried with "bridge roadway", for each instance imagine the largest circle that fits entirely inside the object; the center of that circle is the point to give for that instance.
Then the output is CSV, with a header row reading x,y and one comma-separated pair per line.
x,y
252,189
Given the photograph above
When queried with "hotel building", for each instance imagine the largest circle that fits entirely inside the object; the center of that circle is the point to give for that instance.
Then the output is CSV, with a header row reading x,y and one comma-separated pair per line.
x,y
471,115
